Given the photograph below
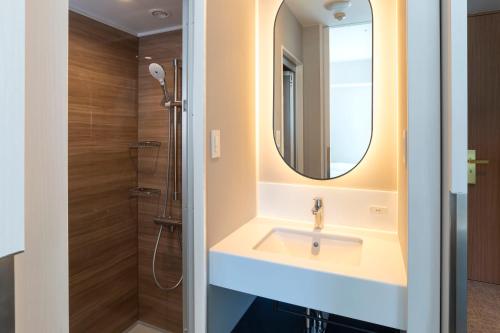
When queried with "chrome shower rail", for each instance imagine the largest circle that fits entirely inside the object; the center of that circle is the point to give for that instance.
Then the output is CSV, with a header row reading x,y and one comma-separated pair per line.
x,y
177,106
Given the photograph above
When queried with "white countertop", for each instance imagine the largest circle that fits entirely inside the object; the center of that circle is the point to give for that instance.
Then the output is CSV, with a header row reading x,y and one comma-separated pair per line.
x,y
373,290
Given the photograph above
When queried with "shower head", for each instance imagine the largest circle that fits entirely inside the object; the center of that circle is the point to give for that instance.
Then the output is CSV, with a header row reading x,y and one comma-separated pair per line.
x,y
157,72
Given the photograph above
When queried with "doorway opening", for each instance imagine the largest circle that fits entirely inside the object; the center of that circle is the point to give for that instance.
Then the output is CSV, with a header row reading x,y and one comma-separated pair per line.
x,y
126,166
483,167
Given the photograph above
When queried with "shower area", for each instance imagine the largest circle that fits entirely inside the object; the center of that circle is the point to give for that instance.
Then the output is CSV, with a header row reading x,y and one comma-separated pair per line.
x,y
125,169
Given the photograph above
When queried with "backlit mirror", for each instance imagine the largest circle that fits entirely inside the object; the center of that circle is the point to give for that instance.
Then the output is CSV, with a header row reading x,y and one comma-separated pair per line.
x,y
323,85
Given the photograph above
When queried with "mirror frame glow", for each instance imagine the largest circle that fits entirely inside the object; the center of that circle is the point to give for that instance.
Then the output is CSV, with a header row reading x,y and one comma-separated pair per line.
x,y
285,51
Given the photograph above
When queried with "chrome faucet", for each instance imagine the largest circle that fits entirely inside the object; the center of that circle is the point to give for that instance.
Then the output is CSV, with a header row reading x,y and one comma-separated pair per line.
x,y
317,211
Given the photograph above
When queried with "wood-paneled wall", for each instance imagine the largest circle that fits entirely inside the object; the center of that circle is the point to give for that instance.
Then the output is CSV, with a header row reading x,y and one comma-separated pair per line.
x,y
103,75
159,308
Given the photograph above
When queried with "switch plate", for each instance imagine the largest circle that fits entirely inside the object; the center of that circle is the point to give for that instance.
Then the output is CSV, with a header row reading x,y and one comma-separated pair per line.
x,y
215,143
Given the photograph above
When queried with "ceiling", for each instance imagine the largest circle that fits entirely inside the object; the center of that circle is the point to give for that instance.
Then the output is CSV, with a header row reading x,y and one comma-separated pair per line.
x,y
132,16
478,6
313,12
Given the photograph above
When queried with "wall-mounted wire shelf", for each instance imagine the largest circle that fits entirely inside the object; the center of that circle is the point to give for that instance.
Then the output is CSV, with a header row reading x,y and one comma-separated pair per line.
x,y
144,192
149,149
145,144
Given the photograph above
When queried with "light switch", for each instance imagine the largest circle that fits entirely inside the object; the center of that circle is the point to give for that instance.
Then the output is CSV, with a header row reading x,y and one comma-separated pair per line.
x,y
215,143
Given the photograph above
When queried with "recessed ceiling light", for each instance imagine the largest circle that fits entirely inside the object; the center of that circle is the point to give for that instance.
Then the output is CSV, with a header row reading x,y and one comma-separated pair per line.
x,y
159,13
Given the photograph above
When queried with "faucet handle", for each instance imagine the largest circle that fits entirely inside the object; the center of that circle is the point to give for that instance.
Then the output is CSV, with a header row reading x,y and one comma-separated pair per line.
x,y
318,202
317,211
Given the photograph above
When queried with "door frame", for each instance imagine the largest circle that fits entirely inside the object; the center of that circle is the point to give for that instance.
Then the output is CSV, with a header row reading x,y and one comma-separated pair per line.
x,y
194,174
194,167
424,165
299,107
454,182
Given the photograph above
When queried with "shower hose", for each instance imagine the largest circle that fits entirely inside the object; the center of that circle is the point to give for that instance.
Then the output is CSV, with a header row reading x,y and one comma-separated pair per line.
x,y
166,203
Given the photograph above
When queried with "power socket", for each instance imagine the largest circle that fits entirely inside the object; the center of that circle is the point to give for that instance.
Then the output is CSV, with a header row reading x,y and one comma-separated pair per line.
x,y
378,210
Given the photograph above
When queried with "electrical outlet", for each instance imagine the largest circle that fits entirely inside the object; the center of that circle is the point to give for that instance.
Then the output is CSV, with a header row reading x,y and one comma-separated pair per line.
x,y
378,210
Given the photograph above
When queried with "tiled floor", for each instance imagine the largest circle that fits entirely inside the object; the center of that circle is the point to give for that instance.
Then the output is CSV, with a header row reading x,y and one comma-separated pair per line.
x,y
484,308
142,328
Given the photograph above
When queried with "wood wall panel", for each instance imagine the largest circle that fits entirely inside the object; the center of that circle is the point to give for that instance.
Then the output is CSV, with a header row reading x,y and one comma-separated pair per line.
x,y
159,308
103,72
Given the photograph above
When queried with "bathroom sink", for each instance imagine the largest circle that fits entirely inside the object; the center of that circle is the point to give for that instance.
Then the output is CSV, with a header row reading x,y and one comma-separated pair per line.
x,y
313,245
277,259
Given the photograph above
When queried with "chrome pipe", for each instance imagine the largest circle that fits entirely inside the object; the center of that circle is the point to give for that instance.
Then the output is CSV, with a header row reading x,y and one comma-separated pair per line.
x,y
458,263
176,105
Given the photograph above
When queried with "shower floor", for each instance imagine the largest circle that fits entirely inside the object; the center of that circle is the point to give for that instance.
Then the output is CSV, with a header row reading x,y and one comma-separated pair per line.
x,y
144,328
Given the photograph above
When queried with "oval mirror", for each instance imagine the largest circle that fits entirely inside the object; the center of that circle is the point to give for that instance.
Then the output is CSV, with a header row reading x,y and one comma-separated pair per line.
x,y
323,91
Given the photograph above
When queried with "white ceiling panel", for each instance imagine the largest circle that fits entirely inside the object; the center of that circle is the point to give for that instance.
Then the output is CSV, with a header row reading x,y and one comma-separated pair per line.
x,y
479,6
312,12
132,16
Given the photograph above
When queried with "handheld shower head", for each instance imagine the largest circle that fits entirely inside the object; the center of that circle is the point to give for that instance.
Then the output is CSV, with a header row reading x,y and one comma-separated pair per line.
x,y
157,72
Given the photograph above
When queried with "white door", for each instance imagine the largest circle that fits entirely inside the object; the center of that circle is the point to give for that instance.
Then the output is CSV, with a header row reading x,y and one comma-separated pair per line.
x,y
454,167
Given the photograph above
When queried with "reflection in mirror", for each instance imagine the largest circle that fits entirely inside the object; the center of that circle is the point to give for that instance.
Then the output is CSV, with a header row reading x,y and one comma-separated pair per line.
x,y
323,85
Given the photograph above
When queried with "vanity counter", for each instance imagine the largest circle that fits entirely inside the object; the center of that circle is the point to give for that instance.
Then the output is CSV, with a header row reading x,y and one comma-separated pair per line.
x,y
369,286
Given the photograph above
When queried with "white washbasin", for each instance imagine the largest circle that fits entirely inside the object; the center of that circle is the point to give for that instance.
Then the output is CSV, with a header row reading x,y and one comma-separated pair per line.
x,y
356,273
313,245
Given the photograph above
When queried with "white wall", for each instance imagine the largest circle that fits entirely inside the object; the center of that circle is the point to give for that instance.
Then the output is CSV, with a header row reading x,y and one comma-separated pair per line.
x,y
231,191
342,206
231,197
41,272
12,92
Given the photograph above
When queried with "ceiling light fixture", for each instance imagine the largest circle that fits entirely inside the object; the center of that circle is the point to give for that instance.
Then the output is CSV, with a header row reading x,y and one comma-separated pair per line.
x,y
159,13
338,7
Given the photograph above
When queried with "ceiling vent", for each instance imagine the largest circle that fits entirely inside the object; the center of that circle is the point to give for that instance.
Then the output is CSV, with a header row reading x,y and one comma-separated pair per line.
x,y
160,13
